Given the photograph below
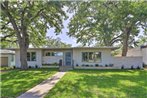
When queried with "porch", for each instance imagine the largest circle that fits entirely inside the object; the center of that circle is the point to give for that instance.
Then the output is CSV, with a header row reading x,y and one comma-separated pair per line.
x,y
57,58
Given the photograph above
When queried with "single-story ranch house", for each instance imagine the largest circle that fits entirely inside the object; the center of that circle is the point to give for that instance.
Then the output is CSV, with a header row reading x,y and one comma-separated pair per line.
x,y
78,57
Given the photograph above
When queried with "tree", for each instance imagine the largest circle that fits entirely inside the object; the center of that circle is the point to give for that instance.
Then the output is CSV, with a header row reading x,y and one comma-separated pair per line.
x,y
29,20
55,43
107,22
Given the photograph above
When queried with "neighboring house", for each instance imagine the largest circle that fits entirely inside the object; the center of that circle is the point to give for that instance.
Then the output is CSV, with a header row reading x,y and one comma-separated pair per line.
x,y
7,58
78,57
139,51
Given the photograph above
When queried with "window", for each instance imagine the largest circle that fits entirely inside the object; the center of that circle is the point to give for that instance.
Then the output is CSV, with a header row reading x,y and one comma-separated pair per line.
x,y
54,54
91,56
12,58
48,54
31,56
28,56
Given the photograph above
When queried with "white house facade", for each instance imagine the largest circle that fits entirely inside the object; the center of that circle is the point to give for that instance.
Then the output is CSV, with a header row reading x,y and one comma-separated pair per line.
x,y
7,58
78,57
139,51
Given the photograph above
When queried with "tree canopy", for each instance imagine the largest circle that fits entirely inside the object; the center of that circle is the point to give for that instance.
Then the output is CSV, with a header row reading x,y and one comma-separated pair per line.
x,y
27,21
108,22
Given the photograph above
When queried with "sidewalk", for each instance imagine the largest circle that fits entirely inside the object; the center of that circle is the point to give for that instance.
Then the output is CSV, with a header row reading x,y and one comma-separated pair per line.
x,y
40,90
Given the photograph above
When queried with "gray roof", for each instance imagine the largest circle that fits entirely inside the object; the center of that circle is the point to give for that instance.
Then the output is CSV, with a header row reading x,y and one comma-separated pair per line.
x,y
5,51
105,47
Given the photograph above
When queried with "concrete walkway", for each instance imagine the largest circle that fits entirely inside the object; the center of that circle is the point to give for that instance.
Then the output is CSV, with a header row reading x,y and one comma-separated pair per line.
x,y
43,88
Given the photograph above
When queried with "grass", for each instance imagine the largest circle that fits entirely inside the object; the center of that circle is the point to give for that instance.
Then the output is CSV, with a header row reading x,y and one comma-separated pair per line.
x,y
101,84
6,68
16,82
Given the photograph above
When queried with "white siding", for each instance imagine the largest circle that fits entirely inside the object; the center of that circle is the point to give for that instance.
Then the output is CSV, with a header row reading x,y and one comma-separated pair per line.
x,y
127,62
106,57
144,54
11,60
51,59
17,58
38,61
134,52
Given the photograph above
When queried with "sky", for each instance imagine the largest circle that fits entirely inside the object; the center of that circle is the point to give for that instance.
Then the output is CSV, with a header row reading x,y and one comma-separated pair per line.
x,y
63,36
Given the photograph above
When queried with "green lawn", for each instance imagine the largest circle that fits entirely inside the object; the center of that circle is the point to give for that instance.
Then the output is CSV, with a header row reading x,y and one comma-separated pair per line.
x,y
101,84
16,82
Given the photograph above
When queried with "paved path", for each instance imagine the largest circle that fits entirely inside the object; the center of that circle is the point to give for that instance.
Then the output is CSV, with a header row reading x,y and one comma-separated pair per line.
x,y
43,88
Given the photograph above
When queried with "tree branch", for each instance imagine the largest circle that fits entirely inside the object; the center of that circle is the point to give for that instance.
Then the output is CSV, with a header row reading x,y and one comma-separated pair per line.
x,y
4,38
115,38
36,14
4,7
2,27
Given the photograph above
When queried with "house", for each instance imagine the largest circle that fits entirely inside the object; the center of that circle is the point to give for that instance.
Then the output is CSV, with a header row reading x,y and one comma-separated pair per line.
x,y
78,57
139,51
7,58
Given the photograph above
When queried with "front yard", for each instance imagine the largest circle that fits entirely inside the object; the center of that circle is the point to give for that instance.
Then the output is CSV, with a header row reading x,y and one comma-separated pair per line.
x,y
101,84
16,82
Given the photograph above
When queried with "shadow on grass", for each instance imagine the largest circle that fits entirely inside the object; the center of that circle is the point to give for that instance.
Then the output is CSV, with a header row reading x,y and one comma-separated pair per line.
x,y
102,84
17,82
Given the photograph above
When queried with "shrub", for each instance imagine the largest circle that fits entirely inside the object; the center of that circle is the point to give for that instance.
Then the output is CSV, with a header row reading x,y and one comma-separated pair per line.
x,y
97,65
144,65
122,67
87,65
138,67
77,65
106,65
30,66
55,64
36,66
83,65
14,67
132,67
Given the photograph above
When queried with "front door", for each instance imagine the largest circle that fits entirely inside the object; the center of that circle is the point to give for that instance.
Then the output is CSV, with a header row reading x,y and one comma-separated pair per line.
x,y
68,58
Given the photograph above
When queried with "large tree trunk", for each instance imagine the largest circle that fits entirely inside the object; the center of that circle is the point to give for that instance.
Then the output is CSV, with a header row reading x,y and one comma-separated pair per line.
x,y
23,44
125,41
23,56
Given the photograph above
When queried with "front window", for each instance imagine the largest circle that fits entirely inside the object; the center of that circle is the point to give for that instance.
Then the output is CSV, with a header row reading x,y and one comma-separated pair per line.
x,y
54,54
28,56
91,56
31,56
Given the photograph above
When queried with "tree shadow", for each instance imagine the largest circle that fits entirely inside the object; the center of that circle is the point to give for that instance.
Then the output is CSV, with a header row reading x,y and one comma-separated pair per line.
x,y
16,82
102,84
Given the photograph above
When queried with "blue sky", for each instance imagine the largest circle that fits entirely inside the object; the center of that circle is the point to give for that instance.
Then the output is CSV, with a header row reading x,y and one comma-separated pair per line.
x,y
63,36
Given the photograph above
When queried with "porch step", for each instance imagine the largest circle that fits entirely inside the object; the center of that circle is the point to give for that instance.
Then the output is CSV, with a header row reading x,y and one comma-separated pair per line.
x,y
65,68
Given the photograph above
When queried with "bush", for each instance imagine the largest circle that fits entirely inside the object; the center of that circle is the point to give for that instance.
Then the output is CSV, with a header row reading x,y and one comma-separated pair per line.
x,y
132,67
36,66
83,65
106,65
122,67
14,67
30,66
55,64
144,65
97,65
87,65
138,67
77,65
